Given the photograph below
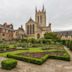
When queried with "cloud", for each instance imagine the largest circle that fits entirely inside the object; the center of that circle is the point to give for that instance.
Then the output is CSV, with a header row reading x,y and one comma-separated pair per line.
x,y
59,12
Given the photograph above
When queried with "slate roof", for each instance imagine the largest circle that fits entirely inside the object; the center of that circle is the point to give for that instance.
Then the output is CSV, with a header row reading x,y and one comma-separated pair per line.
x,y
65,33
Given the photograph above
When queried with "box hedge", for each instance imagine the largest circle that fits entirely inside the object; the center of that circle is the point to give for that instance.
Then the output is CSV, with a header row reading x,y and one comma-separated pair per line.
x,y
8,64
60,58
38,61
65,57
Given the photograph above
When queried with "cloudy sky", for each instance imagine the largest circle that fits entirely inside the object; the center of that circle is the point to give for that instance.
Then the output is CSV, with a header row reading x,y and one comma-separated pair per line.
x,y
17,12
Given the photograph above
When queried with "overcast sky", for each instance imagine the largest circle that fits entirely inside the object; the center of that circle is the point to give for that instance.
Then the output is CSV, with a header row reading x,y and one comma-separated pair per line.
x,y
17,12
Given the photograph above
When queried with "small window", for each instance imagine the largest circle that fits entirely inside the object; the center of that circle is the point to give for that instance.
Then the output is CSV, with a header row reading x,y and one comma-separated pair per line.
x,y
3,34
38,36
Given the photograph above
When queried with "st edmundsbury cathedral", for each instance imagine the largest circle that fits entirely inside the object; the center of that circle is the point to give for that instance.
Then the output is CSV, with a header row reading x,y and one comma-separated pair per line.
x,y
37,29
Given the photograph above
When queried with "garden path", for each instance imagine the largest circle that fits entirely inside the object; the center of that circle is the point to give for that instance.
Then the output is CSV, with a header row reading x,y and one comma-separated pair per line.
x,y
48,66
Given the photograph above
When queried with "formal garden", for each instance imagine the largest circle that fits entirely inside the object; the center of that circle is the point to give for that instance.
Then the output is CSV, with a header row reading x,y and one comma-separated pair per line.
x,y
35,51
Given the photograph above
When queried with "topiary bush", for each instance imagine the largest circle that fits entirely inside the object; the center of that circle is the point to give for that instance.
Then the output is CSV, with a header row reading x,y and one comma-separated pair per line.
x,y
8,64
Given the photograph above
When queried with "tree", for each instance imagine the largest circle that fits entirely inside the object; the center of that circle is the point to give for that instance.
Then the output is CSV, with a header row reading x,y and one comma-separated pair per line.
x,y
32,40
51,35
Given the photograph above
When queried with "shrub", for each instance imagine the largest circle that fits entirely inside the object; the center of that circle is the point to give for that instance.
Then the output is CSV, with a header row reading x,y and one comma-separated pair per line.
x,y
32,40
65,57
67,43
8,64
38,61
51,35
60,58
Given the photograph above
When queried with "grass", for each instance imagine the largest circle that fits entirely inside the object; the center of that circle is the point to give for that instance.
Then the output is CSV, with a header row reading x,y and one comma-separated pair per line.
x,y
14,52
35,50
20,51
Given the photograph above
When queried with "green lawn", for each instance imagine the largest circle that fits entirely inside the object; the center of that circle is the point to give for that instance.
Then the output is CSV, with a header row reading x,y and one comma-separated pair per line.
x,y
20,51
14,52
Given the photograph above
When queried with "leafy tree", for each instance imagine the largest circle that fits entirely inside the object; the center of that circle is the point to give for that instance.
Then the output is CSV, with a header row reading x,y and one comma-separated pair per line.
x,y
32,40
51,35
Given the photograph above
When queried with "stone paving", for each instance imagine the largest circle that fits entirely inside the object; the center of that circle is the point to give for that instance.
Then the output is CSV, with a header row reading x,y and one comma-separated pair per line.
x,y
48,66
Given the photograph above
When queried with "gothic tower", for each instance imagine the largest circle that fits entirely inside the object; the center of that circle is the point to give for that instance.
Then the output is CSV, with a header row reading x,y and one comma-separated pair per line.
x,y
40,17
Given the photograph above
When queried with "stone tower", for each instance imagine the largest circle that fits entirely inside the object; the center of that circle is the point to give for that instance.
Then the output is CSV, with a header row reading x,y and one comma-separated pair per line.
x,y
40,17
37,29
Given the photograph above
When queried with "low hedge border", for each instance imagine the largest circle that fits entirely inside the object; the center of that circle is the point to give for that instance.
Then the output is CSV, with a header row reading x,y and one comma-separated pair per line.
x,y
38,61
60,58
65,57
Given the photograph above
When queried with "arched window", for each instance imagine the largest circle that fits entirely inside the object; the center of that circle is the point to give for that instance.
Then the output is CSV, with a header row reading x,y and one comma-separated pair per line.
x,y
27,29
30,29
33,29
40,19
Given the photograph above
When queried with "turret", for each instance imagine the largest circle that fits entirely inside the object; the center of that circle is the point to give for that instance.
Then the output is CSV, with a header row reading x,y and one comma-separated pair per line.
x,y
49,27
49,24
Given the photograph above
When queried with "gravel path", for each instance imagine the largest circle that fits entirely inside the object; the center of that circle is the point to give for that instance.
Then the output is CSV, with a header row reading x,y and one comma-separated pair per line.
x,y
48,66
1,58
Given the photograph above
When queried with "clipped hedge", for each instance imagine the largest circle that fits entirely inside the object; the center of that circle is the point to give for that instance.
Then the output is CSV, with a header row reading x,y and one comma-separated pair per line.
x,y
8,64
65,57
38,61
60,58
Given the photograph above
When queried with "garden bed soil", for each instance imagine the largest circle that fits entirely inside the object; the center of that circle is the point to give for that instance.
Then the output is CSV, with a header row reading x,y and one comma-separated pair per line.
x,y
33,54
41,54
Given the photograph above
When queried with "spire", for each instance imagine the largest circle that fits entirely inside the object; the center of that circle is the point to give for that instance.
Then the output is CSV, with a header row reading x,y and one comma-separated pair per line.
x,y
36,9
30,19
43,8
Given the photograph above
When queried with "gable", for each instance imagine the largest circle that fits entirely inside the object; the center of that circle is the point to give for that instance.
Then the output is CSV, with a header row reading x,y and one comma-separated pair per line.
x,y
30,21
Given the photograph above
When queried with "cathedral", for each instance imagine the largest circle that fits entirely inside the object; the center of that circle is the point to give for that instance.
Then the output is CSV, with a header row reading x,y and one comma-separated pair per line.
x,y
37,29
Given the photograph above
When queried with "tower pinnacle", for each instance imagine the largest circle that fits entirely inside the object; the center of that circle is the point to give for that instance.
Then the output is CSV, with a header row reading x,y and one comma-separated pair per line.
x,y
43,8
36,9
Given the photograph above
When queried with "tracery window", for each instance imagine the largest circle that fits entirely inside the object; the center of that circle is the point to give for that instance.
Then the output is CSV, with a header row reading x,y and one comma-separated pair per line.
x,y
40,19
30,29
27,29
33,29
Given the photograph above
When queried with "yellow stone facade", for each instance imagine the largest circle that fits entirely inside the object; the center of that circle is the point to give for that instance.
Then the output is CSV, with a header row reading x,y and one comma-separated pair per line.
x,y
6,31
19,33
37,29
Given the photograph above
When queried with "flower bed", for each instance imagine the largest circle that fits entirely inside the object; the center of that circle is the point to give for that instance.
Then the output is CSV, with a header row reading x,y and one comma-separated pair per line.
x,y
8,50
33,54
